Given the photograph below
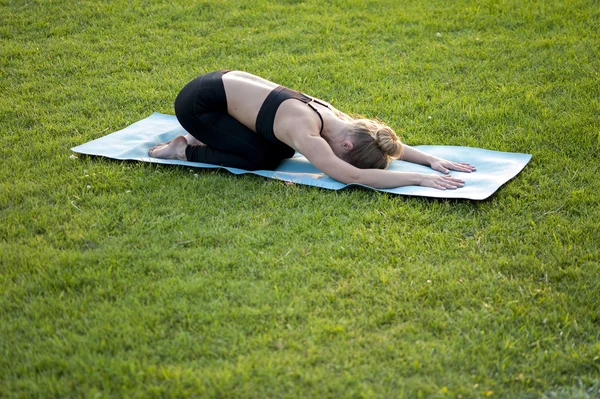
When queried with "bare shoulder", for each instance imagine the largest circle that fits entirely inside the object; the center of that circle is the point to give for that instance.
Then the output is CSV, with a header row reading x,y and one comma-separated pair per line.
x,y
295,122
304,138
336,111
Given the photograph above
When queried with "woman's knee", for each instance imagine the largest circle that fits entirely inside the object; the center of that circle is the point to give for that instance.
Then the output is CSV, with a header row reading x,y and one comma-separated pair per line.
x,y
185,100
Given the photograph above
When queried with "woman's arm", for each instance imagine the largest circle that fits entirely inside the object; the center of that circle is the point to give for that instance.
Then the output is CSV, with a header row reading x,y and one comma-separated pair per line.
x,y
319,153
413,155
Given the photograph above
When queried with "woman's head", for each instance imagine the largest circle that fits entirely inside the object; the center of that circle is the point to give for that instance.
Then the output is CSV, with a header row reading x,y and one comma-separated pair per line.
x,y
374,144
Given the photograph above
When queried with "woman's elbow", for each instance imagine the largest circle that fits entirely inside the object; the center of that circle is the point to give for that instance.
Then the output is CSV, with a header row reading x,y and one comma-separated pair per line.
x,y
351,177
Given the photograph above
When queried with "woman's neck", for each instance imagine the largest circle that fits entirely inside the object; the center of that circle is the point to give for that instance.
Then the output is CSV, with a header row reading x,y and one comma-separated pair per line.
x,y
334,129
335,133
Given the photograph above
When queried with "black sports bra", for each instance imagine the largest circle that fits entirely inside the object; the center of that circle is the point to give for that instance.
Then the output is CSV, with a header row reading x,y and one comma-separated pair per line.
x,y
266,115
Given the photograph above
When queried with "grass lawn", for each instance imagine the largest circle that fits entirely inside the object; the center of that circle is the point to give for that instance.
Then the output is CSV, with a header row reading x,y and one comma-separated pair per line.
x,y
137,280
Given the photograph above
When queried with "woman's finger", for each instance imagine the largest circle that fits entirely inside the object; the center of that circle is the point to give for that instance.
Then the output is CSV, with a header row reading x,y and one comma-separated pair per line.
x,y
447,184
468,166
455,183
462,167
454,179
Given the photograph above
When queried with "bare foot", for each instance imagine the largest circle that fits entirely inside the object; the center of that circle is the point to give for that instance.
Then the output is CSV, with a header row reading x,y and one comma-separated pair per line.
x,y
174,149
191,140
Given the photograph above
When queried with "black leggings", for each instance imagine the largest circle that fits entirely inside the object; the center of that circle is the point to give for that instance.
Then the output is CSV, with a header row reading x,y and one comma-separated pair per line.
x,y
201,108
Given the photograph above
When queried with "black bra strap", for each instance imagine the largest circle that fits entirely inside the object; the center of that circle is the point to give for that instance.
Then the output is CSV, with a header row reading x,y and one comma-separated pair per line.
x,y
320,117
319,102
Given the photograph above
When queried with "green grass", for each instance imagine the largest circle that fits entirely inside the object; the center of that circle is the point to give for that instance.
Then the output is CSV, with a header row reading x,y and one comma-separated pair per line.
x,y
136,280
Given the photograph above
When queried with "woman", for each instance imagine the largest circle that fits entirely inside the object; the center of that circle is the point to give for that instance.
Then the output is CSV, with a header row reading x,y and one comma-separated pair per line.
x,y
240,120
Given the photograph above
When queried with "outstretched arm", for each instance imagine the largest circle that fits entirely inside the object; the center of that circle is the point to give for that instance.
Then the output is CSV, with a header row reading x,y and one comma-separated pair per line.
x,y
319,153
413,155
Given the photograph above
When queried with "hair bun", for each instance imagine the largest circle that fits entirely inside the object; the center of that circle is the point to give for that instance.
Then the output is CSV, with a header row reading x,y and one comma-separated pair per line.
x,y
389,143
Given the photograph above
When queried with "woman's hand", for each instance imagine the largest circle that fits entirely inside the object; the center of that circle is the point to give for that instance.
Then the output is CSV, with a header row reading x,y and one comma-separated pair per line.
x,y
441,182
441,165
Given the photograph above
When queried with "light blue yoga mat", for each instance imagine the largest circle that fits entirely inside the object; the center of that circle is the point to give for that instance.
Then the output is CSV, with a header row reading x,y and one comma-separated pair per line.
x,y
493,168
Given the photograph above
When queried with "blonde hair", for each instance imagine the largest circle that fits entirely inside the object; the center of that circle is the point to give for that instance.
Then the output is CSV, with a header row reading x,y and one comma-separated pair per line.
x,y
375,144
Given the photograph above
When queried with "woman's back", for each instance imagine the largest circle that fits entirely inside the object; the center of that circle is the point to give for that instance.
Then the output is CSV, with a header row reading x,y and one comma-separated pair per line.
x,y
246,94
